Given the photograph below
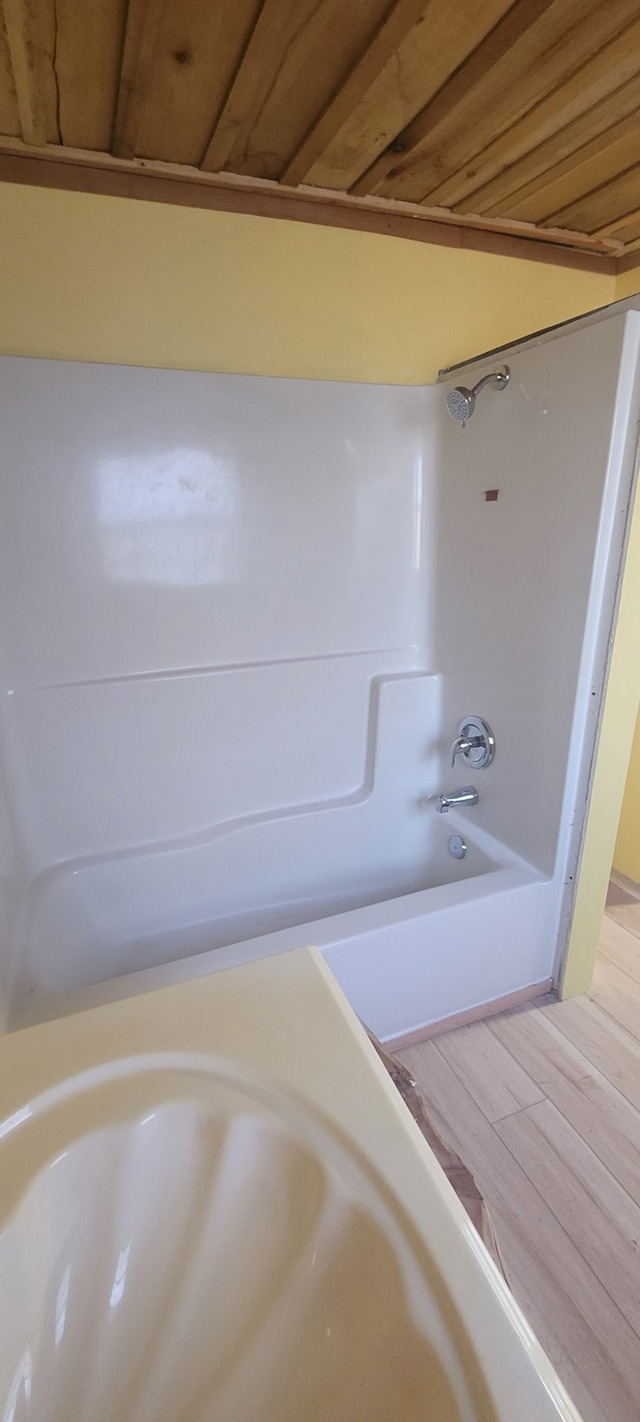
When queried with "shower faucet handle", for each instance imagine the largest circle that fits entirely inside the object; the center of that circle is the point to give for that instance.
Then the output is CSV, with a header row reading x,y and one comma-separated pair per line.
x,y
462,745
475,742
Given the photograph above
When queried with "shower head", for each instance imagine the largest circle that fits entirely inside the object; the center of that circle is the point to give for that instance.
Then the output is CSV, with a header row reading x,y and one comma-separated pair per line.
x,y
461,401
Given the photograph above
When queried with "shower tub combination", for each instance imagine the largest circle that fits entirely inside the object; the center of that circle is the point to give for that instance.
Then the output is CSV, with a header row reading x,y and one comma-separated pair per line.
x,y
245,619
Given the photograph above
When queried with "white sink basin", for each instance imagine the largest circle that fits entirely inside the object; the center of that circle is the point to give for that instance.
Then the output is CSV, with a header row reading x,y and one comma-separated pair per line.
x,y
214,1207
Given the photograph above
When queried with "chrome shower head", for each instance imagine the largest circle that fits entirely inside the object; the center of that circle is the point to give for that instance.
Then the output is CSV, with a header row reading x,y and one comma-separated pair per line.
x,y
461,401
460,404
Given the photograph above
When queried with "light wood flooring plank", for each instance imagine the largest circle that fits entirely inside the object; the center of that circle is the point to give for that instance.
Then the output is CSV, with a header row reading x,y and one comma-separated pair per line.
x,y
594,1384
595,1211
626,915
585,1334
497,1083
543,1105
618,994
597,1110
607,1045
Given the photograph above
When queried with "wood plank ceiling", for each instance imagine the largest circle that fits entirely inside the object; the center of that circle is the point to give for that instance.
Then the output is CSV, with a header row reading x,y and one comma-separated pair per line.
x,y
490,118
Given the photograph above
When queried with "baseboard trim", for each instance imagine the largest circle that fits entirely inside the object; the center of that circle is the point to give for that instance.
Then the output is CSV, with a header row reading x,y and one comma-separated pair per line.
x,y
472,1014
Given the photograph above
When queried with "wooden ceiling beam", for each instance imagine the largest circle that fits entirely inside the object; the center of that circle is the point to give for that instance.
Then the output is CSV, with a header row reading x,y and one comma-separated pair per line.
x,y
31,37
197,47
403,18
606,206
607,71
455,92
9,116
539,81
423,62
252,82
621,224
143,22
522,179
604,157
545,84
89,38
301,53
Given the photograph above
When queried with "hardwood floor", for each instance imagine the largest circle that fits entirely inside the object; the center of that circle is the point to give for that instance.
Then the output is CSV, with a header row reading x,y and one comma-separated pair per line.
x,y
543,1105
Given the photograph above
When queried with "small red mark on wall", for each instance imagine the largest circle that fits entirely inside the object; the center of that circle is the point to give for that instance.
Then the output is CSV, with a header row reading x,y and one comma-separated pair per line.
x,y
492,495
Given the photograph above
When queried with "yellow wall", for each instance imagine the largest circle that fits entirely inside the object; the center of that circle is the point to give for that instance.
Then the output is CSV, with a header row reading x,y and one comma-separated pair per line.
x,y
626,858
97,278
629,283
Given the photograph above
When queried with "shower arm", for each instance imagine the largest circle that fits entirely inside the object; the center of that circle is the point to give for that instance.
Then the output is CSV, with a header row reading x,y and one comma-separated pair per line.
x,y
497,378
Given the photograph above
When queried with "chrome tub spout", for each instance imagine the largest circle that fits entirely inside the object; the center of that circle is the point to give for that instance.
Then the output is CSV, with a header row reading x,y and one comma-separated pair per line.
x,y
457,799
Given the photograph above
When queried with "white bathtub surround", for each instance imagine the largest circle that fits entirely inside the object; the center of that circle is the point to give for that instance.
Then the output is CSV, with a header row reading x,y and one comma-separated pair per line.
x,y
243,621
214,1204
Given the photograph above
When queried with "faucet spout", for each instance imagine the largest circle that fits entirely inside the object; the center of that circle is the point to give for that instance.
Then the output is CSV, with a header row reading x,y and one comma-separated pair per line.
x,y
457,799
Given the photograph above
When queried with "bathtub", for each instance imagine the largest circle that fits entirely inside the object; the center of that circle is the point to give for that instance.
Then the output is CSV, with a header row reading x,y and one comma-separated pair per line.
x,y
425,943
366,875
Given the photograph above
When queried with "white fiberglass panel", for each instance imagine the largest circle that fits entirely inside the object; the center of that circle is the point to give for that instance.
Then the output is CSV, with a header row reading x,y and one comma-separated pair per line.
x,y
514,612
213,582
180,520
118,764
